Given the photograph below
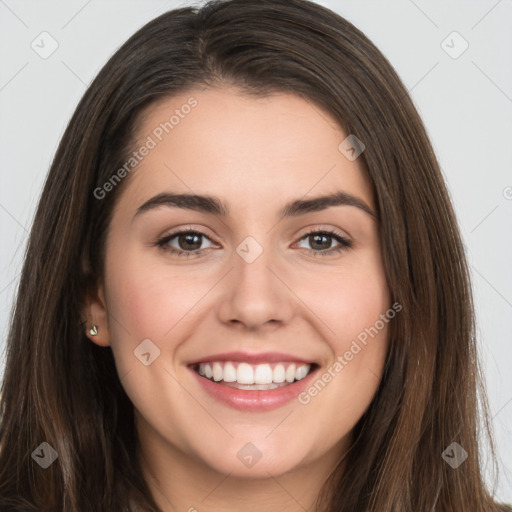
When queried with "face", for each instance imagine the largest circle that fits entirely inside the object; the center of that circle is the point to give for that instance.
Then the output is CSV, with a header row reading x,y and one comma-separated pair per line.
x,y
249,329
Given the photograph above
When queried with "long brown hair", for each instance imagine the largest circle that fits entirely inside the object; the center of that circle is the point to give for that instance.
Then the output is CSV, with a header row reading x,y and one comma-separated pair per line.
x,y
62,389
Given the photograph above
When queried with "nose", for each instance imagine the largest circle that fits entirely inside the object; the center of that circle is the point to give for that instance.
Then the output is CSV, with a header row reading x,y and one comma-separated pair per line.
x,y
255,294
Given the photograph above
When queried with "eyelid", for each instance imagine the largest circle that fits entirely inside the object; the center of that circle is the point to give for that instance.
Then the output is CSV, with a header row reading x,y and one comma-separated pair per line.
x,y
327,229
192,228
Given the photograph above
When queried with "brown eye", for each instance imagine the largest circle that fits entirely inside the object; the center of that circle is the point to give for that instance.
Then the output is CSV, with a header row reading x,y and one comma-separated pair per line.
x,y
184,243
320,242
189,241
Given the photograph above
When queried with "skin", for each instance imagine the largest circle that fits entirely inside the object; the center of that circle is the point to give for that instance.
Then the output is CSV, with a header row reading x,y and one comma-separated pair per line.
x,y
256,154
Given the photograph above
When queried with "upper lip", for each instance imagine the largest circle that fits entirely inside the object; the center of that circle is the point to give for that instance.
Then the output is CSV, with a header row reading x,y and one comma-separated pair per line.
x,y
254,358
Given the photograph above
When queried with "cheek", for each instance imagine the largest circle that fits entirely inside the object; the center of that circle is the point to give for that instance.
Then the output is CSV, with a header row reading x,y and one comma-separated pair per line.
x,y
344,388
150,300
351,302
347,299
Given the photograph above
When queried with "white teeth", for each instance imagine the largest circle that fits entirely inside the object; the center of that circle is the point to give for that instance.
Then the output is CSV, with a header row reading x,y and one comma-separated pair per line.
x,y
217,372
256,387
260,374
263,374
279,375
244,374
301,372
290,373
229,373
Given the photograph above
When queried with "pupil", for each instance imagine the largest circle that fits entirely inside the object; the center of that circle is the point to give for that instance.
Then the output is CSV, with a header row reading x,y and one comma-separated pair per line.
x,y
188,239
316,237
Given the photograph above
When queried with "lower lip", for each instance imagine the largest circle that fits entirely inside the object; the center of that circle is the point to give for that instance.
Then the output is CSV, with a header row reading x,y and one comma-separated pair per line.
x,y
255,400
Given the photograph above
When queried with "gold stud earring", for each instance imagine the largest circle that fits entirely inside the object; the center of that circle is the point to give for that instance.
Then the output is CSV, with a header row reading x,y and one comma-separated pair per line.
x,y
93,331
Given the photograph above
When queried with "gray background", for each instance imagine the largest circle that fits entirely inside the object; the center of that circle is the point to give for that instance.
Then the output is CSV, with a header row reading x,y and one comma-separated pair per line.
x,y
465,102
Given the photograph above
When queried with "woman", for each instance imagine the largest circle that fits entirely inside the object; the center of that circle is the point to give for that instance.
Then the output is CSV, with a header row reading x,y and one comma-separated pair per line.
x,y
244,287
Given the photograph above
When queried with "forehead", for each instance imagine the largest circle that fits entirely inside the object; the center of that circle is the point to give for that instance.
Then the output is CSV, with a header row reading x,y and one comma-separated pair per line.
x,y
254,152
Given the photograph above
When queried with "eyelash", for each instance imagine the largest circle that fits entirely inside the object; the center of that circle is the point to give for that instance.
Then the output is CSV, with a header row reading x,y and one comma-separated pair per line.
x,y
344,242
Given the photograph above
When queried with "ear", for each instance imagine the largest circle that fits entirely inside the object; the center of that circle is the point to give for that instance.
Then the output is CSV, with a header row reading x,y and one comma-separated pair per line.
x,y
94,313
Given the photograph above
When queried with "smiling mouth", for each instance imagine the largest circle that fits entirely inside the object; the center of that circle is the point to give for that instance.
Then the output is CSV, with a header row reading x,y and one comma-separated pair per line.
x,y
245,376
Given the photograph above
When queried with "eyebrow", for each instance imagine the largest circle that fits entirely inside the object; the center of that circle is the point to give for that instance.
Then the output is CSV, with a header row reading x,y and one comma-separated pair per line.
x,y
214,206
